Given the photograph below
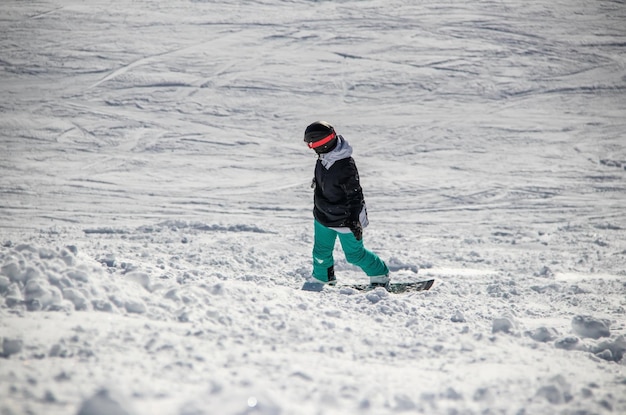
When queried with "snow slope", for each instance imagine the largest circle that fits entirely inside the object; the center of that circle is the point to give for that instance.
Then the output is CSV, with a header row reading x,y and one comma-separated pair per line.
x,y
155,209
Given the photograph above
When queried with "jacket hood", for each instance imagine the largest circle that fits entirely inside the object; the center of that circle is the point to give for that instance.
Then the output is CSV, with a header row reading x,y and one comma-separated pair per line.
x,y
343,150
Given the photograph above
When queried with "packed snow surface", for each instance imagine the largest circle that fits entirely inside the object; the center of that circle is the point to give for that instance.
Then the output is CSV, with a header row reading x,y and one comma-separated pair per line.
x,y
155,207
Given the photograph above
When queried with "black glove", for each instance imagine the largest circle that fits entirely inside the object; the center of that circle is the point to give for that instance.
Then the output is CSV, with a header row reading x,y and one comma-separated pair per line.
x,y
357,229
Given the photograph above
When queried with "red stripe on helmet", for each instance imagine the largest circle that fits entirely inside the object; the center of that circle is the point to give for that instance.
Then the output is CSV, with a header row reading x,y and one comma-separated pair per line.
x,y
323,141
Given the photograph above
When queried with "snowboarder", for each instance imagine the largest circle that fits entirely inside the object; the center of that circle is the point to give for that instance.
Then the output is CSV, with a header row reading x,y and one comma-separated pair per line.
x,y
339,208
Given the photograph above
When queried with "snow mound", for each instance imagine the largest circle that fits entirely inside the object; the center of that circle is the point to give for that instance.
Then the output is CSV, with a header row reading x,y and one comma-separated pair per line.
x,y
103,402
10,346
592,327
36,278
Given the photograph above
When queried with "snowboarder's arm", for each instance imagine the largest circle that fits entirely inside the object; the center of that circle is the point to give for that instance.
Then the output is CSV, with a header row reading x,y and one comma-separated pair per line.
x,y
354,195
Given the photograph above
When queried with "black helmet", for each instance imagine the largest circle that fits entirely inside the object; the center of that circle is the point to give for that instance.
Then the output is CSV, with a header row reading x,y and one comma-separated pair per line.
x,y
320,136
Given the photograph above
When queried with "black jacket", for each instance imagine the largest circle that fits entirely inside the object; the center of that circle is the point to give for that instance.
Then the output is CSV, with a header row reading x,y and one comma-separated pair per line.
x,y
338,195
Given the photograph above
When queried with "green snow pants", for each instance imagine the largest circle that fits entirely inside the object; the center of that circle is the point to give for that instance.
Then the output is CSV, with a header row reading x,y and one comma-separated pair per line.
x,y
354,251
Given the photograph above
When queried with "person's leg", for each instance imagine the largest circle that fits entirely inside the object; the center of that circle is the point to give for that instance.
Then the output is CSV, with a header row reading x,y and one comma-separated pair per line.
x,y
323,262
356,254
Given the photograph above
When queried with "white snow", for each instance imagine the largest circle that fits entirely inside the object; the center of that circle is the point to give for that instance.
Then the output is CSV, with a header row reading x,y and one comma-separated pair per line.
x,y
155,208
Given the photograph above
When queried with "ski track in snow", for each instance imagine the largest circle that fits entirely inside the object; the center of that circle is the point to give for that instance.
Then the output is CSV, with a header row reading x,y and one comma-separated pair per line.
x,y
155,209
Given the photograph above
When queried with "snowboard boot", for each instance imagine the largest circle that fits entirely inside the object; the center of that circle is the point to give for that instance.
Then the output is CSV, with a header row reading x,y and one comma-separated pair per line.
x,y
314,284
330,277
379,281
332,280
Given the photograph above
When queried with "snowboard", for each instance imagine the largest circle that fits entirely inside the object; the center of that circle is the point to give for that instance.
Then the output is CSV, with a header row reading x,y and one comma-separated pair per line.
x,y
394,287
